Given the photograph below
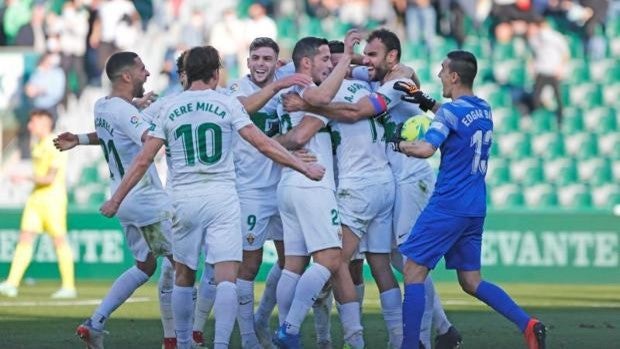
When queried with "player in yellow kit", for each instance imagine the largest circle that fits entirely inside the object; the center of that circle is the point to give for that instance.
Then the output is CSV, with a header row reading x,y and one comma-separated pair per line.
x,y
45,210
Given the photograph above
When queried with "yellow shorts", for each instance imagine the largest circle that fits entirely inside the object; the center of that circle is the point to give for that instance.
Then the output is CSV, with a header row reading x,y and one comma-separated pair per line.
x,y
43,213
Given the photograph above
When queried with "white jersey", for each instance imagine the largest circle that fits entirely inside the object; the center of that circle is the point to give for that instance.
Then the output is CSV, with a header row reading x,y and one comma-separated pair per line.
x,y
320,145
255,170
405,169
198,128
150,114
360,146
119,127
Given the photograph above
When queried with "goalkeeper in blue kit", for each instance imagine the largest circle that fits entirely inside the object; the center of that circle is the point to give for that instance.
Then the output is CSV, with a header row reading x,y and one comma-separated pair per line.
x,y
451,225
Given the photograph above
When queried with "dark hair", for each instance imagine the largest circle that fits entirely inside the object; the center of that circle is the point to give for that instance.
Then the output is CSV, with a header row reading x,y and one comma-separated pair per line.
x,y
201,63
41,112
307,47
336,46
180,61
118,62
465,65
389,40
264,42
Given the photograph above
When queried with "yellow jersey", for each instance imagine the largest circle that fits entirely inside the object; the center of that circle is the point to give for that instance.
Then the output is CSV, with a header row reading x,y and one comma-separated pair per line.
x,y
44,158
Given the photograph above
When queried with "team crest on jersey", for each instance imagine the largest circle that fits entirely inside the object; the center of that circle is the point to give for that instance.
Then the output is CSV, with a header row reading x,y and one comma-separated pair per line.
x,y
250,238
234,87
134,120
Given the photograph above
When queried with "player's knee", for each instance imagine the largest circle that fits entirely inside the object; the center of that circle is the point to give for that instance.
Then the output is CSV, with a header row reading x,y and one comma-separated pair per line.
x,y
148,267
26,237
60,241
469,286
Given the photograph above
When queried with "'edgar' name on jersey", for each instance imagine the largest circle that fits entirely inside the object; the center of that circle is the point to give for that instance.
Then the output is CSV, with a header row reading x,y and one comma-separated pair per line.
x,y
475,115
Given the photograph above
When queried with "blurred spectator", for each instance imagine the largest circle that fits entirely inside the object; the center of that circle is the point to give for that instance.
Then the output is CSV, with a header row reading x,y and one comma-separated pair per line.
x,y
510,17
16,15
193,32
91,64
354,12
594,45
454,13
421,20
228,36
259,24
170,69
113,28
551,58
74,18
33,33
44,90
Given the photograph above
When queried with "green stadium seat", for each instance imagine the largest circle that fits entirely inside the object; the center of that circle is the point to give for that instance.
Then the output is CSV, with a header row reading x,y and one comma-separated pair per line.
x,y
505,120
575,196
606,196
583,144
498,172
90,174
514,144
544,120
507,196
610,94
527,171
586,95
561,170
615,170
541,195
596,171
609,144
573,120
548,145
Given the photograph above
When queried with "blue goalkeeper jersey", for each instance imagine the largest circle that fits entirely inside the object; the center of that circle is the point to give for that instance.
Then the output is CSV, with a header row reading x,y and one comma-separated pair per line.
x,y
463,131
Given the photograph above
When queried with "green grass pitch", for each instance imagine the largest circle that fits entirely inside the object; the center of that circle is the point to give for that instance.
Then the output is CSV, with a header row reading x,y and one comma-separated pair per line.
x,y
578,316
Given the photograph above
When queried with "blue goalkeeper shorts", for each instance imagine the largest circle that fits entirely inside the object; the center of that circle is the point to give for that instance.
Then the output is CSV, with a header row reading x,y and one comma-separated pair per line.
x,y
437,234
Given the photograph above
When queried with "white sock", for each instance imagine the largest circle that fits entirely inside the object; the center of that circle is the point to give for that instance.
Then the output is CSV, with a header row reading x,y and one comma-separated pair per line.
x,y
440,320
245,315
350,320
122,288
359,289
391,307
225,309
285,293
164,286
205,299
308,288
427,317
322,309
268,300
183,308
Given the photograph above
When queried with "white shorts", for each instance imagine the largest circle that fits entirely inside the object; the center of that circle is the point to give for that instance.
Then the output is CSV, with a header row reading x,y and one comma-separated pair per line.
x,y
367,211
260,218
211,221
153,238
310,220
411,198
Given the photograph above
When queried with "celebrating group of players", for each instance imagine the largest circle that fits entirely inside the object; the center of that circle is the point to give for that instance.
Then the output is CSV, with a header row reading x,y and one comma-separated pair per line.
x,y
299,155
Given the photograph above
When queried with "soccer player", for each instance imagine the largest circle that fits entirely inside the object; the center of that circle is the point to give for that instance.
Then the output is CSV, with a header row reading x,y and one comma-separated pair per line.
x,y
198,129
120,130
451,224
257,180
45,209
414,177
365,197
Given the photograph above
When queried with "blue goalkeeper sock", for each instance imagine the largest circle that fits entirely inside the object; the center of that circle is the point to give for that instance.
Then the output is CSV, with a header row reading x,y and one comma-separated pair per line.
x,y
413,309
501,302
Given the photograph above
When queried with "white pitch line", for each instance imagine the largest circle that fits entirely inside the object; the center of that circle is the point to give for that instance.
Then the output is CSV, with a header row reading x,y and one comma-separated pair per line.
x,y
64,303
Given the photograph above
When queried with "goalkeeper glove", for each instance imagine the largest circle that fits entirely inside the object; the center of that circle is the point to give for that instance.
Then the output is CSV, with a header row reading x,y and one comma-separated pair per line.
x,y
414,95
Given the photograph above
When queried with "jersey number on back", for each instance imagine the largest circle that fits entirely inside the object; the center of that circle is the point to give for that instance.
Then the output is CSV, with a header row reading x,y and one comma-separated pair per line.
x,y
207,142
478,141
110,148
